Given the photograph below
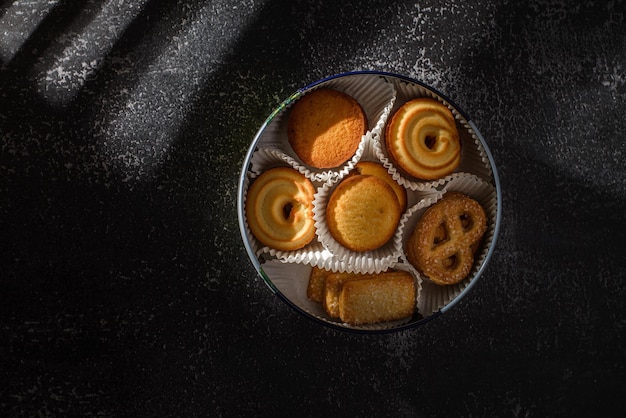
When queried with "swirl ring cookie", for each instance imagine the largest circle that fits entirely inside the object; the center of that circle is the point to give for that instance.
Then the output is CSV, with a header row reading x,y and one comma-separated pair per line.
x,y
422,139
325,128
279,209
444,241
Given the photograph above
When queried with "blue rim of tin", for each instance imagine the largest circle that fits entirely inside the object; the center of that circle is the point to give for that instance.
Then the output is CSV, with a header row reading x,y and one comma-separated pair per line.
x,y
255,261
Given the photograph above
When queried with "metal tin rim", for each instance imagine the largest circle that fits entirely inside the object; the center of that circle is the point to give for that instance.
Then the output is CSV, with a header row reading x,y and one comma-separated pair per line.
x,y
257,264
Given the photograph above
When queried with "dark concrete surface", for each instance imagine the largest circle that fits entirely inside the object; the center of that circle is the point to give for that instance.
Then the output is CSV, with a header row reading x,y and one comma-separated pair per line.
x,y
125,289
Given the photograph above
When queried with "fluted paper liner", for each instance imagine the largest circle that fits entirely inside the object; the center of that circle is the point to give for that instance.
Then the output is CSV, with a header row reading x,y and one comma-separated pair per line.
x,y
433,296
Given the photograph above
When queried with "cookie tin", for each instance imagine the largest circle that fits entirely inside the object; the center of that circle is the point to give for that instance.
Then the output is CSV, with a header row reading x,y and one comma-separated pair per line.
x,y
286,273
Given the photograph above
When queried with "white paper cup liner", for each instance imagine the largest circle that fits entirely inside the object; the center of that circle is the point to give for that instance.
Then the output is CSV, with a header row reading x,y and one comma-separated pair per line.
x,y
291,280
433,296
473,156
263,155
375,96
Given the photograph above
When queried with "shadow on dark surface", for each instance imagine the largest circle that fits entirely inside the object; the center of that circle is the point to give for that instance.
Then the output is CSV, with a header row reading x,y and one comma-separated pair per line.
x,y
552,312
554,308
107,293
57,20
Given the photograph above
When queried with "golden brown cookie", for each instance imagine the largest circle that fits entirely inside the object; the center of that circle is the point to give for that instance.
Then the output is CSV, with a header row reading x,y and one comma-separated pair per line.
x,y
370,168
362,213
444,241
359,299
332,290
317,281
422,139
279,209
377,298
325,128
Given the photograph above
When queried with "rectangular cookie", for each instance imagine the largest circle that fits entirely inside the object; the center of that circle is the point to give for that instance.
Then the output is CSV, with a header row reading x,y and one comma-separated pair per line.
x,y
377,298
332,289
317,282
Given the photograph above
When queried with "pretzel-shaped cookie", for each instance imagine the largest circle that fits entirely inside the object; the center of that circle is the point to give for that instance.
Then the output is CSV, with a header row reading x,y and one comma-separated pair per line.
x,y
443,243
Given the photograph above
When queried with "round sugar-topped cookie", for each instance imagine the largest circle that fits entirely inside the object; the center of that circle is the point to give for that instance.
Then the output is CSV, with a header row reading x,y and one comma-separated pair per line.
x,y
325,128
362,213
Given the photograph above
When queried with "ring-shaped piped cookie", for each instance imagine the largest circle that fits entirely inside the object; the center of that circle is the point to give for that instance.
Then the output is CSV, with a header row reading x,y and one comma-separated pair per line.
x,y
279,209
422,139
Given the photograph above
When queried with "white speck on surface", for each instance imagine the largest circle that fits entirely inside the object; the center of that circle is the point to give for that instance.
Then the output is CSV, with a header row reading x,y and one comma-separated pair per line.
x,y
18,23
159,100
62,75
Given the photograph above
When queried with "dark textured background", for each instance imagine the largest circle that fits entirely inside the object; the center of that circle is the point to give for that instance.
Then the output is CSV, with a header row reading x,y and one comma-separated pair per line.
x,y
125,289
